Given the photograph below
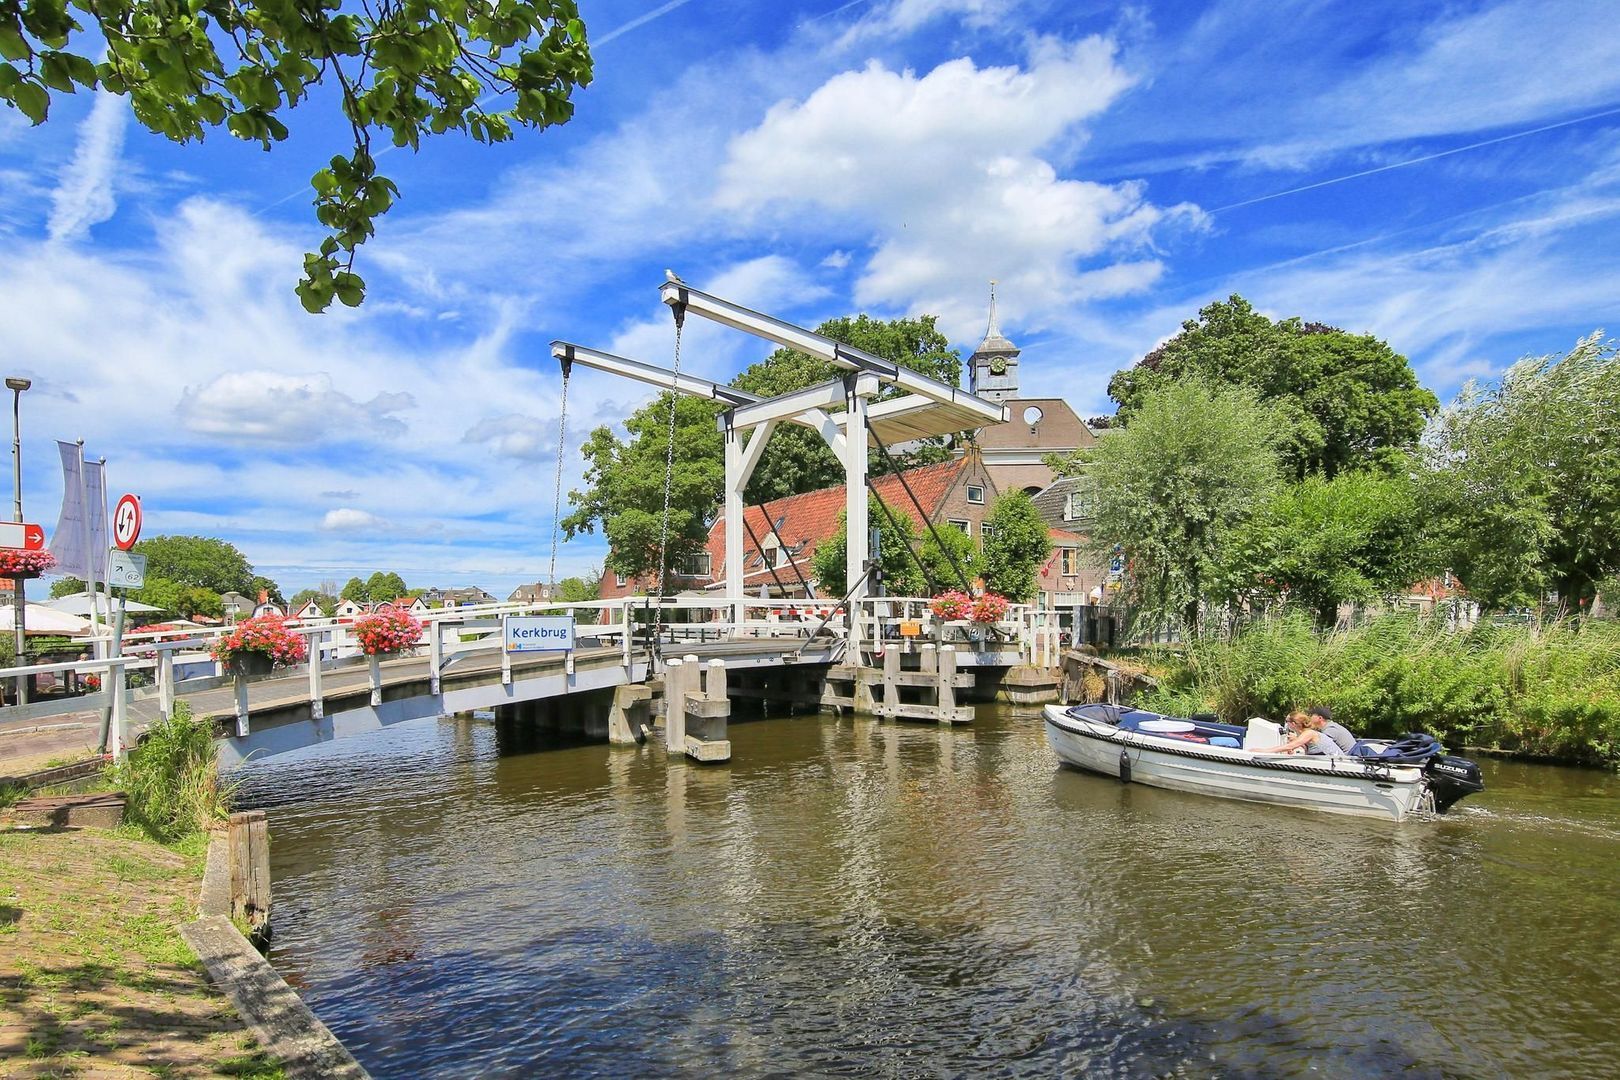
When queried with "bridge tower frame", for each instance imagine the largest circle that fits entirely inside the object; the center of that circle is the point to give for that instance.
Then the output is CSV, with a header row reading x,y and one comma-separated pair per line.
x,y
927,407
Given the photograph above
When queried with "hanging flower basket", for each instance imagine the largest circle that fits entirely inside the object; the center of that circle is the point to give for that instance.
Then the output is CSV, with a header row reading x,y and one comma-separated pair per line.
x,y
15,563
388,630
255,645
952,606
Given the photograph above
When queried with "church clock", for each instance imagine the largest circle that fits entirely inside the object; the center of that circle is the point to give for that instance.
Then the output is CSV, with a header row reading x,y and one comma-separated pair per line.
x,y
998,365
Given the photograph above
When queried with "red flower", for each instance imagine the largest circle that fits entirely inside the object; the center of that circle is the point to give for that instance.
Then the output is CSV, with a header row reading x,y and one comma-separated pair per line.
x,y
267,635
387,630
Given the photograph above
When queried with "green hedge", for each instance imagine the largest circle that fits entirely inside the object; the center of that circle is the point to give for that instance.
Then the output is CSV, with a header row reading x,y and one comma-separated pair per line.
x,y
1545,690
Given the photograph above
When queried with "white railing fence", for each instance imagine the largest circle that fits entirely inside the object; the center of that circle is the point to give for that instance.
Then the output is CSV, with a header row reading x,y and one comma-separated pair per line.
x,y
453,636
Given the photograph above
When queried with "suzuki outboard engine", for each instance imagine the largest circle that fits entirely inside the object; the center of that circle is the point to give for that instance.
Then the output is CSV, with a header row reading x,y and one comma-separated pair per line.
x,y
1450,779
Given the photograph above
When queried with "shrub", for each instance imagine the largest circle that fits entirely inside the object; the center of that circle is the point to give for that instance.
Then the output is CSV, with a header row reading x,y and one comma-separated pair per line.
x,y
172,779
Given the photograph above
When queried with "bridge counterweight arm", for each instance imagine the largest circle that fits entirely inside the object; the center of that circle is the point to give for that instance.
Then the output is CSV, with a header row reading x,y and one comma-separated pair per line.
x,y
684,298
663,378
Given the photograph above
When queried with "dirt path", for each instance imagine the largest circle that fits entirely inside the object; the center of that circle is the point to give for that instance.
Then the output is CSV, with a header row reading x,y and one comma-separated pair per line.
x,y
94,978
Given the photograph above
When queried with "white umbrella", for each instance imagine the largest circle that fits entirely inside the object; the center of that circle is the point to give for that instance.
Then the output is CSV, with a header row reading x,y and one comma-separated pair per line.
x,y
79,604
39,619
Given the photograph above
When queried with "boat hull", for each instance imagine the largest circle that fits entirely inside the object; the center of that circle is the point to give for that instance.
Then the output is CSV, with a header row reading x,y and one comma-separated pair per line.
x,y
1335,786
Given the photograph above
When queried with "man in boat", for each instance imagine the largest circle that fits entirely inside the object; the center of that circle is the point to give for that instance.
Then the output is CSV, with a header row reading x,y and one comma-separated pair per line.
x,y
1337,732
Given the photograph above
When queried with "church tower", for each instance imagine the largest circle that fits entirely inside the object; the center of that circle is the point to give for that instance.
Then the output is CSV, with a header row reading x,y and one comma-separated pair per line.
x,y
994,364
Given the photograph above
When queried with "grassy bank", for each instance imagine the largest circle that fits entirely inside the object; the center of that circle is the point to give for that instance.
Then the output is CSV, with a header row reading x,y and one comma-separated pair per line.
x,y
94,976
1544,690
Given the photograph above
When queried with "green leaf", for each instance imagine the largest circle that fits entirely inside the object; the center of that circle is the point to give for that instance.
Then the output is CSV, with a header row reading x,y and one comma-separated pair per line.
x,y
12,46
34,102
351,290
53,72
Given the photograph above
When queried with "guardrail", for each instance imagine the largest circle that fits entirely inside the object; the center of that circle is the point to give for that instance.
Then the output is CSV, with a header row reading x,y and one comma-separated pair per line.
x,y
452,635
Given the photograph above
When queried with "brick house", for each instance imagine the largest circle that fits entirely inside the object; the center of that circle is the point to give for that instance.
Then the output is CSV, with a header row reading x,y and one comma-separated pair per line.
x,y
953,494
1069,576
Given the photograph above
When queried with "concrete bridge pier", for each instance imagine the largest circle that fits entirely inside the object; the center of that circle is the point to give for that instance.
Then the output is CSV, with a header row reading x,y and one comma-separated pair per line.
x,y
696,708
521,726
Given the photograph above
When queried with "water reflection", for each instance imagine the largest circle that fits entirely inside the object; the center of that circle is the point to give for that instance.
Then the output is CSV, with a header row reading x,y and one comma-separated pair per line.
x,y
856,896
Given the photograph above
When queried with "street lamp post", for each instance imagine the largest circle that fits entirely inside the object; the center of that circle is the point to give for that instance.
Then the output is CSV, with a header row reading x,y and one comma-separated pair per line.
x,y
19,601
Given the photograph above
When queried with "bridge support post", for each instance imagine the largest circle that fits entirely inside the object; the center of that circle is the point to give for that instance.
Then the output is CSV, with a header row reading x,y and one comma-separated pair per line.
x,y
435,656
374,679
240,685
627,718
317,704
675,683
166,682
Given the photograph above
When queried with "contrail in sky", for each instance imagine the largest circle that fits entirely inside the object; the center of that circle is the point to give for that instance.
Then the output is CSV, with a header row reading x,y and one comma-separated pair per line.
x,y
1415,161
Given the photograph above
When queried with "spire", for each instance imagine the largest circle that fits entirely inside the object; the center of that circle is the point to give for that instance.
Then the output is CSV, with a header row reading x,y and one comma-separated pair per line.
x,y
993,341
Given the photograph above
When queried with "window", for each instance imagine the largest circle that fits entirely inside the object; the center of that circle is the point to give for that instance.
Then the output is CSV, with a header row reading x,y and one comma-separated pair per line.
x,y
1071,561
1076,505
618,579
959,523
986,531
696,565
975,495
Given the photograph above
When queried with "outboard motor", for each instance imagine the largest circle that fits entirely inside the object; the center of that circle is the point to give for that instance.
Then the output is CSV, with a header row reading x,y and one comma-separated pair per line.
x,y
1451,778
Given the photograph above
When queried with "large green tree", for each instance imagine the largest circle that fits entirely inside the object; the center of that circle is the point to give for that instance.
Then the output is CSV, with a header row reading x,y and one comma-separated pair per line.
x,y
1321,543
1526,478
577,590
797,458
202,561
355,589
624,494
1018,544
1178,487
948,555
384,586
1343,400
897,538
271,590
398,69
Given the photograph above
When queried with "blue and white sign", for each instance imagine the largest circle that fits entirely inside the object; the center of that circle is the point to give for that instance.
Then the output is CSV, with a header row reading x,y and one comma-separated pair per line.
x,y
539,633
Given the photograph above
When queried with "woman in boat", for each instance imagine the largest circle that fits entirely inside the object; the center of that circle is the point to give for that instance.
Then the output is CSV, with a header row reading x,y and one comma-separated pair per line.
x,y
1306,733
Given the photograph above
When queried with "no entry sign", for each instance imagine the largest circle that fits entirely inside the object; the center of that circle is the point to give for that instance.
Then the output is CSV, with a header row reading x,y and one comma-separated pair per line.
x,y
127,522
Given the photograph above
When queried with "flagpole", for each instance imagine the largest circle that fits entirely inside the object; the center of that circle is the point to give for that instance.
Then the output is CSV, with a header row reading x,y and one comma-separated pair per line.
x,y
89,561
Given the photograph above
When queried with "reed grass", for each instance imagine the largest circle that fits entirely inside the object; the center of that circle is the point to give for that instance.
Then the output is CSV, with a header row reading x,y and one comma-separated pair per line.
x,y
172,779
1542,689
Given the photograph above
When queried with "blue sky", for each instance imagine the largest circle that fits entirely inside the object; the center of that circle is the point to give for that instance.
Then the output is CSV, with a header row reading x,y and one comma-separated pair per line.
x,y
1446,176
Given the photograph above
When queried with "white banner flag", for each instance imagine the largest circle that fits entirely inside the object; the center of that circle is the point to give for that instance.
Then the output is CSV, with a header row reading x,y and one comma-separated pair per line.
x,y
81,529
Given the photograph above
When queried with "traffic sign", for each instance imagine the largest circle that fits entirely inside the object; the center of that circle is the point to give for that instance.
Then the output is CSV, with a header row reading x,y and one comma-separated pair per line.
x,y
22,534
127,522
125,569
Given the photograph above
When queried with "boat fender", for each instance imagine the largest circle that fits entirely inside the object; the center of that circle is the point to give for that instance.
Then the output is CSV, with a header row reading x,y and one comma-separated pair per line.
x,y
1124,767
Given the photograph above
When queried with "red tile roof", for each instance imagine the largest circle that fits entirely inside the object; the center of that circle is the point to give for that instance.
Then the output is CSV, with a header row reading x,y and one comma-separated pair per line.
x,y
811,518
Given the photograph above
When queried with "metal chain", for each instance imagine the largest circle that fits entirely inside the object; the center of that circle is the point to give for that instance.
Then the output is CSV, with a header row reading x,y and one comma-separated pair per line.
x,y
556,499
669,465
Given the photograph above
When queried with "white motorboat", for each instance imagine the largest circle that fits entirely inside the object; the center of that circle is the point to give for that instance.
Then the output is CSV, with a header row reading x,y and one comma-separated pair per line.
x,y
1395,779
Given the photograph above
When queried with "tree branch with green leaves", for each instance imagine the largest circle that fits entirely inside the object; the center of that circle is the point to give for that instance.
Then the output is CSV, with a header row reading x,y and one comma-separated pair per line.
x,y
403,69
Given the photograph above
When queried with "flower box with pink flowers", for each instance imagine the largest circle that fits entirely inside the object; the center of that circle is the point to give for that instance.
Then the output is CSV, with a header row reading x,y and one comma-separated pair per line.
x,y
255,646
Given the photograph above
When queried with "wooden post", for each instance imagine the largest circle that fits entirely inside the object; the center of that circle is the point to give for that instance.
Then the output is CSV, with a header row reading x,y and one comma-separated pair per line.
x,y
891,684
945,684
248,841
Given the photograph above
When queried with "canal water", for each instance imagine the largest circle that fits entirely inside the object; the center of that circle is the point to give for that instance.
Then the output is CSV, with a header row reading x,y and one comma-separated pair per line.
x,y
855,897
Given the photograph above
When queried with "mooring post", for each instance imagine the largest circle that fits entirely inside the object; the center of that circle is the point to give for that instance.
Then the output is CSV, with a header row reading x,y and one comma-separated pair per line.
x,y
675,705
248,840
945,685
891,684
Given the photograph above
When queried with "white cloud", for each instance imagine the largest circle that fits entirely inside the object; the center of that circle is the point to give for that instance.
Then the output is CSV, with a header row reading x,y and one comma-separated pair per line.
x,y
84,194
272,406
515,436
348,519
950,171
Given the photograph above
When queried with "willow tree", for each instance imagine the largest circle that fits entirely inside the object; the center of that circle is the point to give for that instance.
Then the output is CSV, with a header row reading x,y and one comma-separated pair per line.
x,y
1176,490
